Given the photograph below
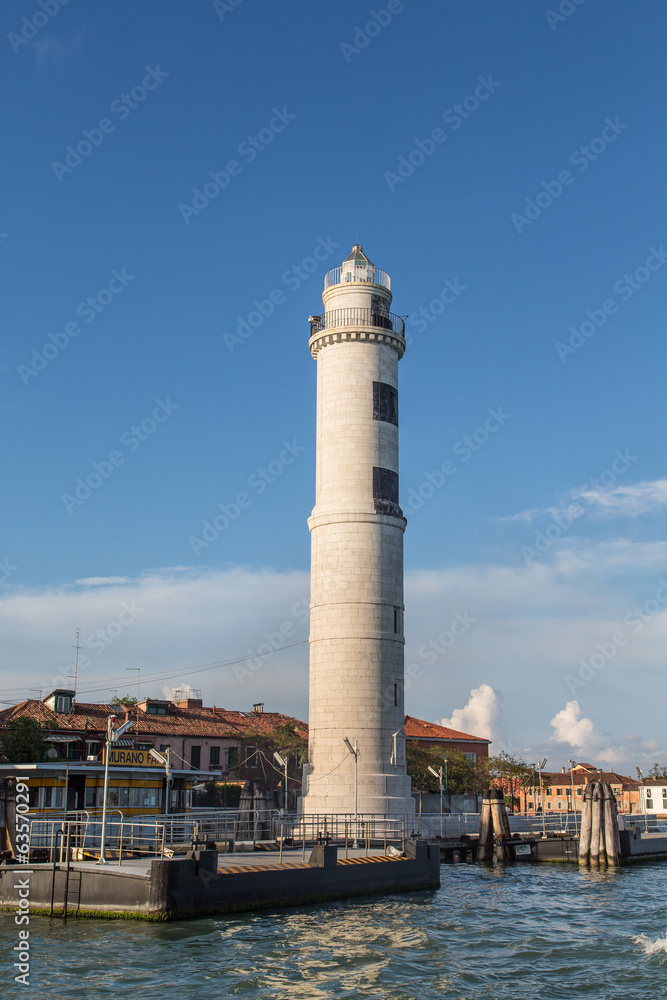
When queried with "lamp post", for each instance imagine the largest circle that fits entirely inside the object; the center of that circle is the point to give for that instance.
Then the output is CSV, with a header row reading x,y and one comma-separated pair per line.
x,y
438,774
574,802
642,793
112,736
165,759
354,750
282,763
540,767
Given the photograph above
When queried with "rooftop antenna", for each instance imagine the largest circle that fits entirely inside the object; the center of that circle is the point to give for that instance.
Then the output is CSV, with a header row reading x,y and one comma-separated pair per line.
x,y
137,670
76,663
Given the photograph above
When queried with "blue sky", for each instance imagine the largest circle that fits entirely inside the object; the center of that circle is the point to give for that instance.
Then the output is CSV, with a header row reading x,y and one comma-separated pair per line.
x,y
532,208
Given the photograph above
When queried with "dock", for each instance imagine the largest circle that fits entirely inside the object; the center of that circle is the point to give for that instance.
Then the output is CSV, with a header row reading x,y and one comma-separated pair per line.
x,y
204,881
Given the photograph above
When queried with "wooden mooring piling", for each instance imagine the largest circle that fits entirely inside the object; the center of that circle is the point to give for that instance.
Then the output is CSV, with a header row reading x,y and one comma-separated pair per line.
x,y
599,840
494,828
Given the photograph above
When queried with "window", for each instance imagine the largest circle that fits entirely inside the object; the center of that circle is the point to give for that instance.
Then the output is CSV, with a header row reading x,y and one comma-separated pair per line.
x,y
195,758
232,756
53,796
385,491
92,748
559,791
470,756
385,403
165,746
579,791
395,693
550,791
156,709
548,805
560,805
144,746
251,754
214,759
398,624
63,703
90,796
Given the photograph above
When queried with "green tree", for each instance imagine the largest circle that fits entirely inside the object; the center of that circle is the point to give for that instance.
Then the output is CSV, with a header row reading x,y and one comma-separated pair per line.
x,y
658,772
127,699
285,739
24,741
460,776
511,774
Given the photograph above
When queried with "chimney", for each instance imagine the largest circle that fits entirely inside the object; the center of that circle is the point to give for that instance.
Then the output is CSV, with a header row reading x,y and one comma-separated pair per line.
x,y
258,708
562,770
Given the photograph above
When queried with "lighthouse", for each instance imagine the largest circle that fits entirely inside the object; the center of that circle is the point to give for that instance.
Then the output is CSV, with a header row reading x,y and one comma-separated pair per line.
x,y
356,758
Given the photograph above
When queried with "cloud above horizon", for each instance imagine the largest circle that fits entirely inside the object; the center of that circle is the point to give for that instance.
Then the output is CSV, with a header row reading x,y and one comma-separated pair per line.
x,y
480,716
629,501
490,649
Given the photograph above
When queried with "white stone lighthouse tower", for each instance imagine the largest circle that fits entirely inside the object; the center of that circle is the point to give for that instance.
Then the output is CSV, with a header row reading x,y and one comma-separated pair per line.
x,y
356,611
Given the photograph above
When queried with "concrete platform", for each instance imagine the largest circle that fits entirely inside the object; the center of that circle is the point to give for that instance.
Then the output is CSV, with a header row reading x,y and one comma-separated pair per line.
x,y
208,882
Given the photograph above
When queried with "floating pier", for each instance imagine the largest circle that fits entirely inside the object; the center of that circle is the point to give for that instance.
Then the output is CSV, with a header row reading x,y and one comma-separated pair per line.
x,y
206,882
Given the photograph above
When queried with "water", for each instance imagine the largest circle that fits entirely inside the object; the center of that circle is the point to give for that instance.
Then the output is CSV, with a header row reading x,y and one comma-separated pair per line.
x,y
518,932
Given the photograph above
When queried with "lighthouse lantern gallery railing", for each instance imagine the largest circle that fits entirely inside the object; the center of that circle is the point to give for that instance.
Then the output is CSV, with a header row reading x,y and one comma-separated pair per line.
x,y
354,316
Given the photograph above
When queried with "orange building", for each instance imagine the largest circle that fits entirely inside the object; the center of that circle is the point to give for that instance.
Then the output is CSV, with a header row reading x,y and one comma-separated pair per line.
x,y
562,791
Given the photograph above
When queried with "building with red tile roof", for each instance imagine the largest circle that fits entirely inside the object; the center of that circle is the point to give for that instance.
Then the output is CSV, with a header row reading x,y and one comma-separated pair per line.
x,y
562,791
205,743
193,732
431,734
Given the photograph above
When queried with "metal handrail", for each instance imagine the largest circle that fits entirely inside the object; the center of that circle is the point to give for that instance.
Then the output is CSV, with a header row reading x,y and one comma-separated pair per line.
x,y
143,837
358,316
367,274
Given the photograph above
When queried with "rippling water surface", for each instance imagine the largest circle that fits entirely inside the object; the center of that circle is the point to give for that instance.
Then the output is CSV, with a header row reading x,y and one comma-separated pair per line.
x,y
535,932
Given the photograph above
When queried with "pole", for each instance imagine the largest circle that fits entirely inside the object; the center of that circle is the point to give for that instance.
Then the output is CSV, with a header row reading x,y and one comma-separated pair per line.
x,y
103,860
356,796
167,779
442,819
544,822
285,803
66,785
643,796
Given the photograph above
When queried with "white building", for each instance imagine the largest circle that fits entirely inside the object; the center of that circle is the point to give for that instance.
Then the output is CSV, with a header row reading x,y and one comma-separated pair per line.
x,y
653,796
356,635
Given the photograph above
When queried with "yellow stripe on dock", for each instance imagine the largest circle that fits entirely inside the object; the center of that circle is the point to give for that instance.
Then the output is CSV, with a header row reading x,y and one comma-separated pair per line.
x,y
244,869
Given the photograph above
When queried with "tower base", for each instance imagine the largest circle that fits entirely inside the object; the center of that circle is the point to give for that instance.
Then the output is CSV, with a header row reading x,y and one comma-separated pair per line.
x,y
377,795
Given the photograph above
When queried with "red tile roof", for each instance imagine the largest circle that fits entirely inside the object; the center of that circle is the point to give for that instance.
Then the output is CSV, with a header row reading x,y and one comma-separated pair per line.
x,y
216,722
419,729
586,777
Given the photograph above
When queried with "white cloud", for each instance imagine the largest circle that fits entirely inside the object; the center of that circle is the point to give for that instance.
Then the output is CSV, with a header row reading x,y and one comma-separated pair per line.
x,y
615,555
529,628
480,716
624,501
167,623
631,500
570,728
582,735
